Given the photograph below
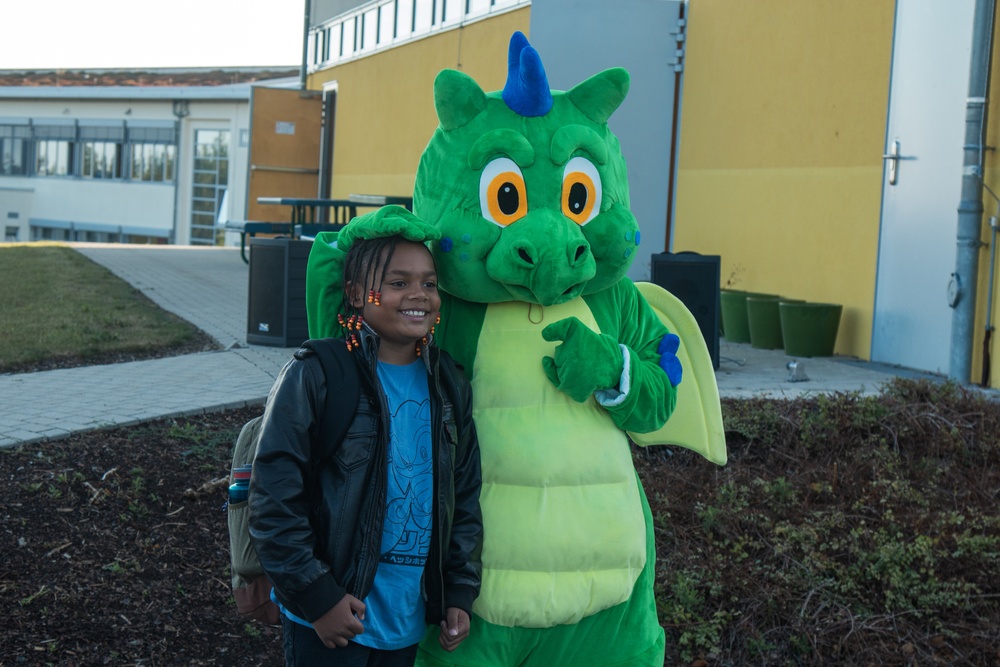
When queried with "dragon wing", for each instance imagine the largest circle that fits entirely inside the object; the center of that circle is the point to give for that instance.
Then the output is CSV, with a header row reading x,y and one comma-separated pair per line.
x,y
696,423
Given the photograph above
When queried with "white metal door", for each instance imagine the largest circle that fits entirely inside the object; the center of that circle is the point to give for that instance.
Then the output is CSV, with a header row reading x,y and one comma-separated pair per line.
x,y
921,188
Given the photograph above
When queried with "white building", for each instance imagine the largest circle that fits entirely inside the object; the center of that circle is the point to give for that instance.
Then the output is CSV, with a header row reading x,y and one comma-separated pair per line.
x,y
133,164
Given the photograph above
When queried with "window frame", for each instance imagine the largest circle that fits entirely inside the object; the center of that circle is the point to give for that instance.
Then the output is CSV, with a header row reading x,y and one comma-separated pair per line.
x,y
62,164
15,144
157,144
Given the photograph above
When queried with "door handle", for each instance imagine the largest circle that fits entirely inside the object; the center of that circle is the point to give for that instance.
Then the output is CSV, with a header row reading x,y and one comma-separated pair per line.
x,y
894,157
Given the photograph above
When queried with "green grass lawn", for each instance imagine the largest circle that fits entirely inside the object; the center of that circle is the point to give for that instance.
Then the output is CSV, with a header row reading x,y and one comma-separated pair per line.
x,y
59,308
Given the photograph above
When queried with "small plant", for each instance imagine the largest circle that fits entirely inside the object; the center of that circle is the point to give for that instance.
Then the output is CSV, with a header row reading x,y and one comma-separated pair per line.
x,y
31,598
114,567
186,431
735,276
780,490
761,647
138,483
138,510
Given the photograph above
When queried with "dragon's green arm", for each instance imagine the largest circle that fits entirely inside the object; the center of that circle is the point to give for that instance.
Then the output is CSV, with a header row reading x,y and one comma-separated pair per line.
x,y
621,312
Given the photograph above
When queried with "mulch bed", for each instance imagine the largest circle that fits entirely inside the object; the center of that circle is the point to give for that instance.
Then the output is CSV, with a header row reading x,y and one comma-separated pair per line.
x,y
116,550
115,545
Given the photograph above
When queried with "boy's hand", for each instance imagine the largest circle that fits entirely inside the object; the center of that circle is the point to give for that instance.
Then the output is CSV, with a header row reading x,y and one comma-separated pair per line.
x,y
341,623
454,629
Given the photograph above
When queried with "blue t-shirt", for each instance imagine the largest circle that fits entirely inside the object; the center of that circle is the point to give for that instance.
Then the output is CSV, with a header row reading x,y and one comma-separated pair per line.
x,y
394,614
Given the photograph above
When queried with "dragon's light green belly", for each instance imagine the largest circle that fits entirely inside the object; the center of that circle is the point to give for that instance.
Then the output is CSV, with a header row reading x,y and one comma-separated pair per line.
x,y
564,531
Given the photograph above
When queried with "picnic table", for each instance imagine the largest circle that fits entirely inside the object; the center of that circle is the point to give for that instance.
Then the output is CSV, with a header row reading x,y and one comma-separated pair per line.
x,y
311,216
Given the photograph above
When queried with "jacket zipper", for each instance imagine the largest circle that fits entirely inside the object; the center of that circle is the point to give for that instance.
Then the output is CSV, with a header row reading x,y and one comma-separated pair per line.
x,y
437,558
368,564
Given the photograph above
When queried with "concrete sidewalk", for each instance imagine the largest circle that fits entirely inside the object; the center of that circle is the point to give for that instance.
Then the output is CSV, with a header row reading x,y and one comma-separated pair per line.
x,y
208,287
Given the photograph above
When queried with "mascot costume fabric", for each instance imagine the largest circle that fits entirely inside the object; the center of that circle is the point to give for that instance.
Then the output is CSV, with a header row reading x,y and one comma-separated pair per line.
x,y
523,197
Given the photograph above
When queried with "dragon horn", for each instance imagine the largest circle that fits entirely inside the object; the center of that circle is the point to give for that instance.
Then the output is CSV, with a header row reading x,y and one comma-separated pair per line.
x,y
527,89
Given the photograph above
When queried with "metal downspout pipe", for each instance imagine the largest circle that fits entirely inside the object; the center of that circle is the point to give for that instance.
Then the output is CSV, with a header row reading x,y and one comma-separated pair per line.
x,y
304,69
963,285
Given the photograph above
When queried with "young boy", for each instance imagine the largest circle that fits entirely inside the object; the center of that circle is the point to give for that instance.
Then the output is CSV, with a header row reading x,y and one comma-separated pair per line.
x,y
368,548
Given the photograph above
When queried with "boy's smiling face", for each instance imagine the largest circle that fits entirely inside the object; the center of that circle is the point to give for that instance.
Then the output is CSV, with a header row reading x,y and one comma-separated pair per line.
x,y
409,300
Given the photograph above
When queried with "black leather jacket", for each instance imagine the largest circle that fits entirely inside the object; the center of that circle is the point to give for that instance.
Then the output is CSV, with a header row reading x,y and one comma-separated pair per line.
x,y
317,526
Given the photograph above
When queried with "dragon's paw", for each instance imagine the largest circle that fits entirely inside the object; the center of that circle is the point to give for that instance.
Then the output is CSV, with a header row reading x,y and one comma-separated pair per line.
x,y
584,362
669,362
384,222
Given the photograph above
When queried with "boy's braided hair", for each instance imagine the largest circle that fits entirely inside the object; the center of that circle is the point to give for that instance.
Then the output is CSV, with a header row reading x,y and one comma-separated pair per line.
x,y
365,269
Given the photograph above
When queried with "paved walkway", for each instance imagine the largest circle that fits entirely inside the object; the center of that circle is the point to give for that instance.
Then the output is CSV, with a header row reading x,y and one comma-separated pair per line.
x,y
208,287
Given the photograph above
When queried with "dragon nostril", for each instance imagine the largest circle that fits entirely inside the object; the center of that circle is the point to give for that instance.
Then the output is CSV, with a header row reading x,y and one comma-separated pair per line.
x,y
581,251
523,254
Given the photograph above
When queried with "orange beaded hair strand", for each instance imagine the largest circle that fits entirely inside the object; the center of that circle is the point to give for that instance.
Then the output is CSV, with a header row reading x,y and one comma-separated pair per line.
x,y
364,267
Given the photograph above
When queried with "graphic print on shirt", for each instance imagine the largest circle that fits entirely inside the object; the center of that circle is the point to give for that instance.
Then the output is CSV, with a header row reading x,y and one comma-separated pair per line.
x,y
407,531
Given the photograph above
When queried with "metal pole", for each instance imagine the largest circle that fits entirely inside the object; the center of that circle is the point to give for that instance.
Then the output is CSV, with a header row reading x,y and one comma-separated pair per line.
x,y
305,46
962,288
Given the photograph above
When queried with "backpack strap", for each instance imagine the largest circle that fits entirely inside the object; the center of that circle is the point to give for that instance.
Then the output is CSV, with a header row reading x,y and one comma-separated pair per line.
x,y
342,390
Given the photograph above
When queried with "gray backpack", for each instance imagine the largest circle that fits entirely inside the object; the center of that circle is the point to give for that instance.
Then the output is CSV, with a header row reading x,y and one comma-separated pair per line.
x,y
251,587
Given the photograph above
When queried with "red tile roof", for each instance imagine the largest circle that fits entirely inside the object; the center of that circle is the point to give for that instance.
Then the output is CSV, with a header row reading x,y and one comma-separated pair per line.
x,y
144,77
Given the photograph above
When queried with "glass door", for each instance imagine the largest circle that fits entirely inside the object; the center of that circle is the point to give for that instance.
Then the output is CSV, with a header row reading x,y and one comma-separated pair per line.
x,y
211,178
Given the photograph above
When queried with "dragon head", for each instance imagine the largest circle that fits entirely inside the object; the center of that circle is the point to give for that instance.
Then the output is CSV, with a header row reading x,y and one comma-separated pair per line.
x,y
527,185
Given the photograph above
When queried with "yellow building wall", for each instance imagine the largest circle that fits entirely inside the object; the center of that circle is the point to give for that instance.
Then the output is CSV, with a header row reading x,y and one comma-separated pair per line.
x,y
781,136
991,177
385,101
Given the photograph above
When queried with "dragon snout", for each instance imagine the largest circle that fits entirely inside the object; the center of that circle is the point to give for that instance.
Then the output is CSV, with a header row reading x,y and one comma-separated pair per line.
x,y
527,254
542,259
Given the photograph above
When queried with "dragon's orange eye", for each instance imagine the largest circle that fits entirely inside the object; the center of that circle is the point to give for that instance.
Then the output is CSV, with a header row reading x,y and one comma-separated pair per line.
x,y
503,198
581,191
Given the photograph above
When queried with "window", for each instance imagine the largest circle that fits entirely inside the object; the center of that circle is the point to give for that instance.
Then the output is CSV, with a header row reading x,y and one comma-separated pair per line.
x,y
451,11
477,7
368,30
153,162
423,16
14,142
54,148
348,38
153,153
404,18
51,234
101,149
100,159
386,23
53,157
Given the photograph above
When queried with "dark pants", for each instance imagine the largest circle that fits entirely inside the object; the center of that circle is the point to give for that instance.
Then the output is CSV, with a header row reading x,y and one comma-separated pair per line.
x,y
303,648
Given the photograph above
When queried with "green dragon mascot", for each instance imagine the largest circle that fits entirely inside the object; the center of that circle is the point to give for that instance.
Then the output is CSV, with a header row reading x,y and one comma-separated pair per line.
x,y
523,197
